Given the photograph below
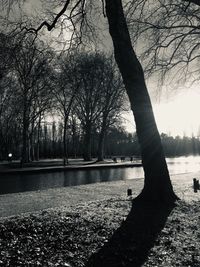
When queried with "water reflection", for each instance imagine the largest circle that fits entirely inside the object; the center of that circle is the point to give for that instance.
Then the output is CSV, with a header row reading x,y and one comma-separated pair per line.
x,y
29,182
183,164
13,183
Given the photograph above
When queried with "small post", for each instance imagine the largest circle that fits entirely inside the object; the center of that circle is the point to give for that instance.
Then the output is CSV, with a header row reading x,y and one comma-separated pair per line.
x,y
129,192
198,186
195,185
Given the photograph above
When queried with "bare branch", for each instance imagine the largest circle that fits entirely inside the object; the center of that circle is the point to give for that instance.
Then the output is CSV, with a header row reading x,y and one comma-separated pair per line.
x,y
169,31
48,25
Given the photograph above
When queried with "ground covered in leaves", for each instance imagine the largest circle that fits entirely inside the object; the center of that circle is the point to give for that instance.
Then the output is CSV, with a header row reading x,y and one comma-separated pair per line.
x,y
70,236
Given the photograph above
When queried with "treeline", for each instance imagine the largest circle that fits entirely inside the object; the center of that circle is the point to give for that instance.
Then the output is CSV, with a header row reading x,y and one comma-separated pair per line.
x,y
122,143
82,91
179,146
53,106
117,142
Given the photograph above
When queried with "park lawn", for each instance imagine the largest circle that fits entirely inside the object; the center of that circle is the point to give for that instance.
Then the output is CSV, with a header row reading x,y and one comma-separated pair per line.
x,y
68,236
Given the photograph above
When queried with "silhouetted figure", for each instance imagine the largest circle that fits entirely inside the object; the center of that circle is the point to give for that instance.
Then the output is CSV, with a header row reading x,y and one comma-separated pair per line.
x,y
115,160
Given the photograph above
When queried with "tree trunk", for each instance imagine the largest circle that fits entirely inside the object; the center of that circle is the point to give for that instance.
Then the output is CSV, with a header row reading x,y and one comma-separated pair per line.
x,y
87,143
38,139
53,140
157,184
65,154
74,138
24,153
100,153
32,143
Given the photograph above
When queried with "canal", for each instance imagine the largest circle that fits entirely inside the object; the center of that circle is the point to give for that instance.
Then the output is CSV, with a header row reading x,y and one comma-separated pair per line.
x,y
21,182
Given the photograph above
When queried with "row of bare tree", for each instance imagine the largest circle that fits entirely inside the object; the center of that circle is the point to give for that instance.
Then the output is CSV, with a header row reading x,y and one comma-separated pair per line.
x,y
81,86
166,33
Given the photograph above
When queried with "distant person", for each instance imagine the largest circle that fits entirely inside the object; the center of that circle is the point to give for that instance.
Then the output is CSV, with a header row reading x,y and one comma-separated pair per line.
x,y
115,160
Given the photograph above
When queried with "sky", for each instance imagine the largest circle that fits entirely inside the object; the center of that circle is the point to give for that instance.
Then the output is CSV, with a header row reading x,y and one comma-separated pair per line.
x,y
177,115
180,116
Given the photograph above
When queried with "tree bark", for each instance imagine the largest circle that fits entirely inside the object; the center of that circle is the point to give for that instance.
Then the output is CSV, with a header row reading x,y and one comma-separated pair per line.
x,y
100,153
32,141
87,143
53,140
74,138
65,153
100,156
157,184
38,139
24,153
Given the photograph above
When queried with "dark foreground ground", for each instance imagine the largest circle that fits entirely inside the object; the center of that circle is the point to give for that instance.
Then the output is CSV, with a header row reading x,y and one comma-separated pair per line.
x,y
99,233
107,231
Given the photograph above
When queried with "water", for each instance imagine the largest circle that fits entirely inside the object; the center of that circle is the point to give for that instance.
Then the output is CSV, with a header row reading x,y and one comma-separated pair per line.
x,y
183,164
14,183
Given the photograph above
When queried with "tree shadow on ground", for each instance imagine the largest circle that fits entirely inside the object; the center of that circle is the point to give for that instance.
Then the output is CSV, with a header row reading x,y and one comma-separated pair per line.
x,y
130,244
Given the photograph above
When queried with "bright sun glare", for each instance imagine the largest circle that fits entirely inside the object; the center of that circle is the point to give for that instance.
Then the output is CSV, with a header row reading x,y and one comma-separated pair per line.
x,y
179,116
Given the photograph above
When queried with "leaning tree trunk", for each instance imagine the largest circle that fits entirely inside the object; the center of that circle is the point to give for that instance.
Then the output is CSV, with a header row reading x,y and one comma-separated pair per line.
x,y
157,184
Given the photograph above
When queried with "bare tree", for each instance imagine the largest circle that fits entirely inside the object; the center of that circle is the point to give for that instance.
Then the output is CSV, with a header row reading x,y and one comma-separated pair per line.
x,y
157,186
9,99
65,91
5,58
9,117
171,34
30,68
112,101
88,101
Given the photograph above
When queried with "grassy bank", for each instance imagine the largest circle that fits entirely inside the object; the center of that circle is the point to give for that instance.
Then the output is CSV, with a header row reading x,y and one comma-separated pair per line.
x,y
33,201
96,225
70,236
